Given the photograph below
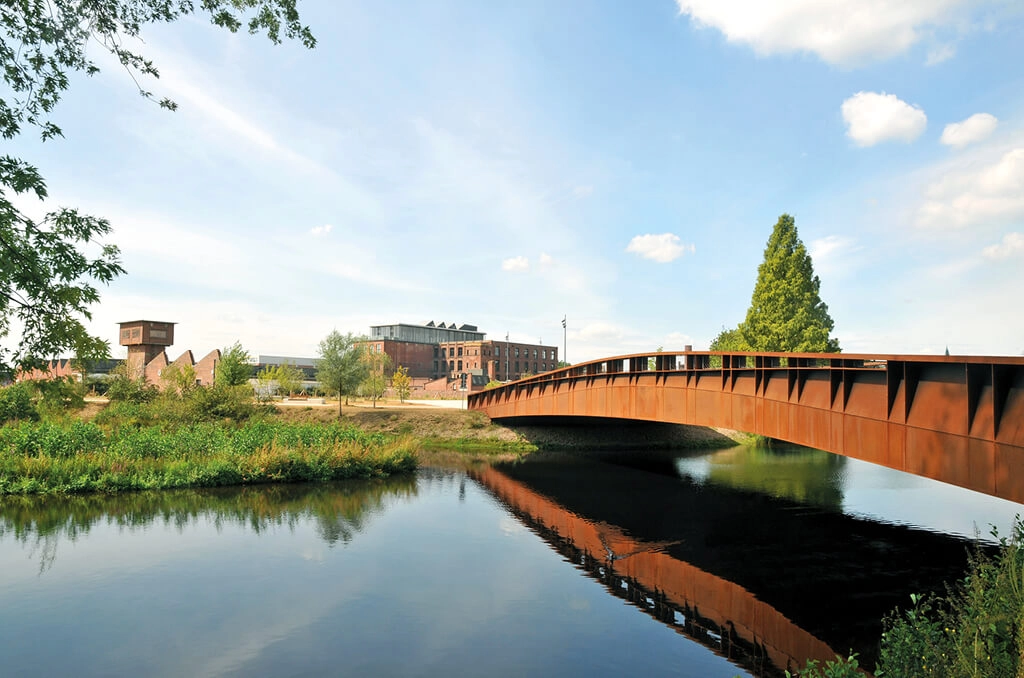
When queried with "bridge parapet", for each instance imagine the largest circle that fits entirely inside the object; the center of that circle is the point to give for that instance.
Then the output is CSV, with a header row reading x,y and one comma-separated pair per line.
x,y
958,419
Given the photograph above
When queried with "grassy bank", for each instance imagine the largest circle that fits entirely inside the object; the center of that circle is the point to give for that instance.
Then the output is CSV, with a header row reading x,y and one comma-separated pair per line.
x,y
77,456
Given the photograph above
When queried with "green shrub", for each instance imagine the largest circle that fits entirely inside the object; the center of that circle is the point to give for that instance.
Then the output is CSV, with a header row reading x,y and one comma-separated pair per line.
x,y
223,402
16,403
838,668
973,630
54,397
121,387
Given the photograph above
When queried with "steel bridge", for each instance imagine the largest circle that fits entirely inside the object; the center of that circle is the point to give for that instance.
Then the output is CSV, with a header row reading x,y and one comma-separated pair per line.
x,y
956,419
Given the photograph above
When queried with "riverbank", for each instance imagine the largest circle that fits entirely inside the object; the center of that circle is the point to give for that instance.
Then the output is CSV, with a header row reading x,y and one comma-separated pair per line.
x,y
438,427
80,456
102,448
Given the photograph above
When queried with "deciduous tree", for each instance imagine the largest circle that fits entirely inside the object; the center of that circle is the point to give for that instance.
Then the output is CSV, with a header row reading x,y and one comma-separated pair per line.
x,y
179,378
402,383
340,369
378,364
50,268
234,367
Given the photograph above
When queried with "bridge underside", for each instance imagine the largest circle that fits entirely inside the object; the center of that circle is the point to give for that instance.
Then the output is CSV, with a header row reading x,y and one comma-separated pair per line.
x,y
957,422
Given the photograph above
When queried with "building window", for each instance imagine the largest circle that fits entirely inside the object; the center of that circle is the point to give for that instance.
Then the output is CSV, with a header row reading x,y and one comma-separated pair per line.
x,y
517,366
534,354
497,351
435,355
517,355
460,351
460,366
451,351
535,368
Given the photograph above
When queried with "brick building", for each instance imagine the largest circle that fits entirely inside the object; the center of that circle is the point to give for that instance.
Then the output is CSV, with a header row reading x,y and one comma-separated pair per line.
x,y
147,341
441,351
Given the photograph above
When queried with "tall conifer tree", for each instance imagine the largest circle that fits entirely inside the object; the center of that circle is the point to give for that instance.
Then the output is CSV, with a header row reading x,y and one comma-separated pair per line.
x,y
786,311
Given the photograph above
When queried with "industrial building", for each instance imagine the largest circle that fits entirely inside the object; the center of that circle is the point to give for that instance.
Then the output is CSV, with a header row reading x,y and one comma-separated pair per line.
x,y
439,351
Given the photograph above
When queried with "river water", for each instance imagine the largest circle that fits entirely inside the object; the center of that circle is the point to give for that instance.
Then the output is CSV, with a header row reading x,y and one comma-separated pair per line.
x,y
722,563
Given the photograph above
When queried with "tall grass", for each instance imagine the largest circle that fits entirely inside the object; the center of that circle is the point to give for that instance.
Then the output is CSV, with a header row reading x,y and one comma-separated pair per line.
x,y
73,457
974,630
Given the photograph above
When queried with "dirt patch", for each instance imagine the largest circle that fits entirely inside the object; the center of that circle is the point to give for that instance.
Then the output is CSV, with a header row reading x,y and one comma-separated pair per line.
x,y
422,422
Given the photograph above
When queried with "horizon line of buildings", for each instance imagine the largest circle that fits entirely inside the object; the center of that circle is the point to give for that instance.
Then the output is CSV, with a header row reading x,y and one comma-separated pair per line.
x,y
438,356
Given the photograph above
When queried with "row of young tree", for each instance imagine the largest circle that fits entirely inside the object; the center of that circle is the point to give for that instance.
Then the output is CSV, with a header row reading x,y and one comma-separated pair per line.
x,y
346,367
786,312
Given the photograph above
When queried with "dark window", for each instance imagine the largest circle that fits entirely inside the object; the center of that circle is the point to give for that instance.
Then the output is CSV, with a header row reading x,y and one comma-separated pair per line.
x,y
517,366
451,351
460,351
535,367
460,366
517,354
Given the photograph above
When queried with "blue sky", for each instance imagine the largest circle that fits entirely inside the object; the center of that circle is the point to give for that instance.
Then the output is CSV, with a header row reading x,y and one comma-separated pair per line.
x,y
508,164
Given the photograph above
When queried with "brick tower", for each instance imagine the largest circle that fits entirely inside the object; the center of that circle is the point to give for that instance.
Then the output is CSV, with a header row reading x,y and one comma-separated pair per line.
x,y
145,339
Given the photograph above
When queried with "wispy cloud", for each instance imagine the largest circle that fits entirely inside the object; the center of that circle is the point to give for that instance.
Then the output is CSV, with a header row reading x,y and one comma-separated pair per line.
x,y
661,248
873,117
976,193
206,100
318,231
515,264
1011,246
832,254
939,54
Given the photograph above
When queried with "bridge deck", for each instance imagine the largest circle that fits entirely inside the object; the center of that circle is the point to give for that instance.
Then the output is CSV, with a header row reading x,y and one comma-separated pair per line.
x,y
956,419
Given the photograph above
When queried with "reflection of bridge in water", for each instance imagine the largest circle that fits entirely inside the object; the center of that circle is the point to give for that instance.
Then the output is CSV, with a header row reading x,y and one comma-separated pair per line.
x,y
747,575
715,612
959,420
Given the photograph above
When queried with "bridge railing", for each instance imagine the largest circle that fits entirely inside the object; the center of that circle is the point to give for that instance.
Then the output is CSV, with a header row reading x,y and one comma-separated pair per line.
x,y
663,362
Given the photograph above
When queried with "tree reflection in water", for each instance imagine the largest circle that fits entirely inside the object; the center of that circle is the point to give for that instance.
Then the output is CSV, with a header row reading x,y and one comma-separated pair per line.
x,y
339,510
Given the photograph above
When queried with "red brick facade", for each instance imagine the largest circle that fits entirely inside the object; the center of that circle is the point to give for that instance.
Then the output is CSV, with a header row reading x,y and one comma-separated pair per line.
x,y
497,360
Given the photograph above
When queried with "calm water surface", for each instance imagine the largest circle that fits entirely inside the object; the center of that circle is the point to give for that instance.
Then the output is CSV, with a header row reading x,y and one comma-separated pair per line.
x,y
716,564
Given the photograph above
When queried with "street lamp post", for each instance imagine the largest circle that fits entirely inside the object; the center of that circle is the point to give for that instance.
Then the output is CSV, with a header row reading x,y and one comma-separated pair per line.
x,y
564,334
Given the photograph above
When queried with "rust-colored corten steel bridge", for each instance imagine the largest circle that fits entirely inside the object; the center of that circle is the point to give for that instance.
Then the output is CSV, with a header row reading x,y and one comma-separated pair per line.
x,y
956,419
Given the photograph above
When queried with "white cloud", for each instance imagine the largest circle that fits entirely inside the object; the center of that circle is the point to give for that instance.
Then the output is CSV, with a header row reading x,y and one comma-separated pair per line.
x,y
975,128
515,264
545,259
844,32
662,248
940,53
318,231
1012,245
872,118
990,193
